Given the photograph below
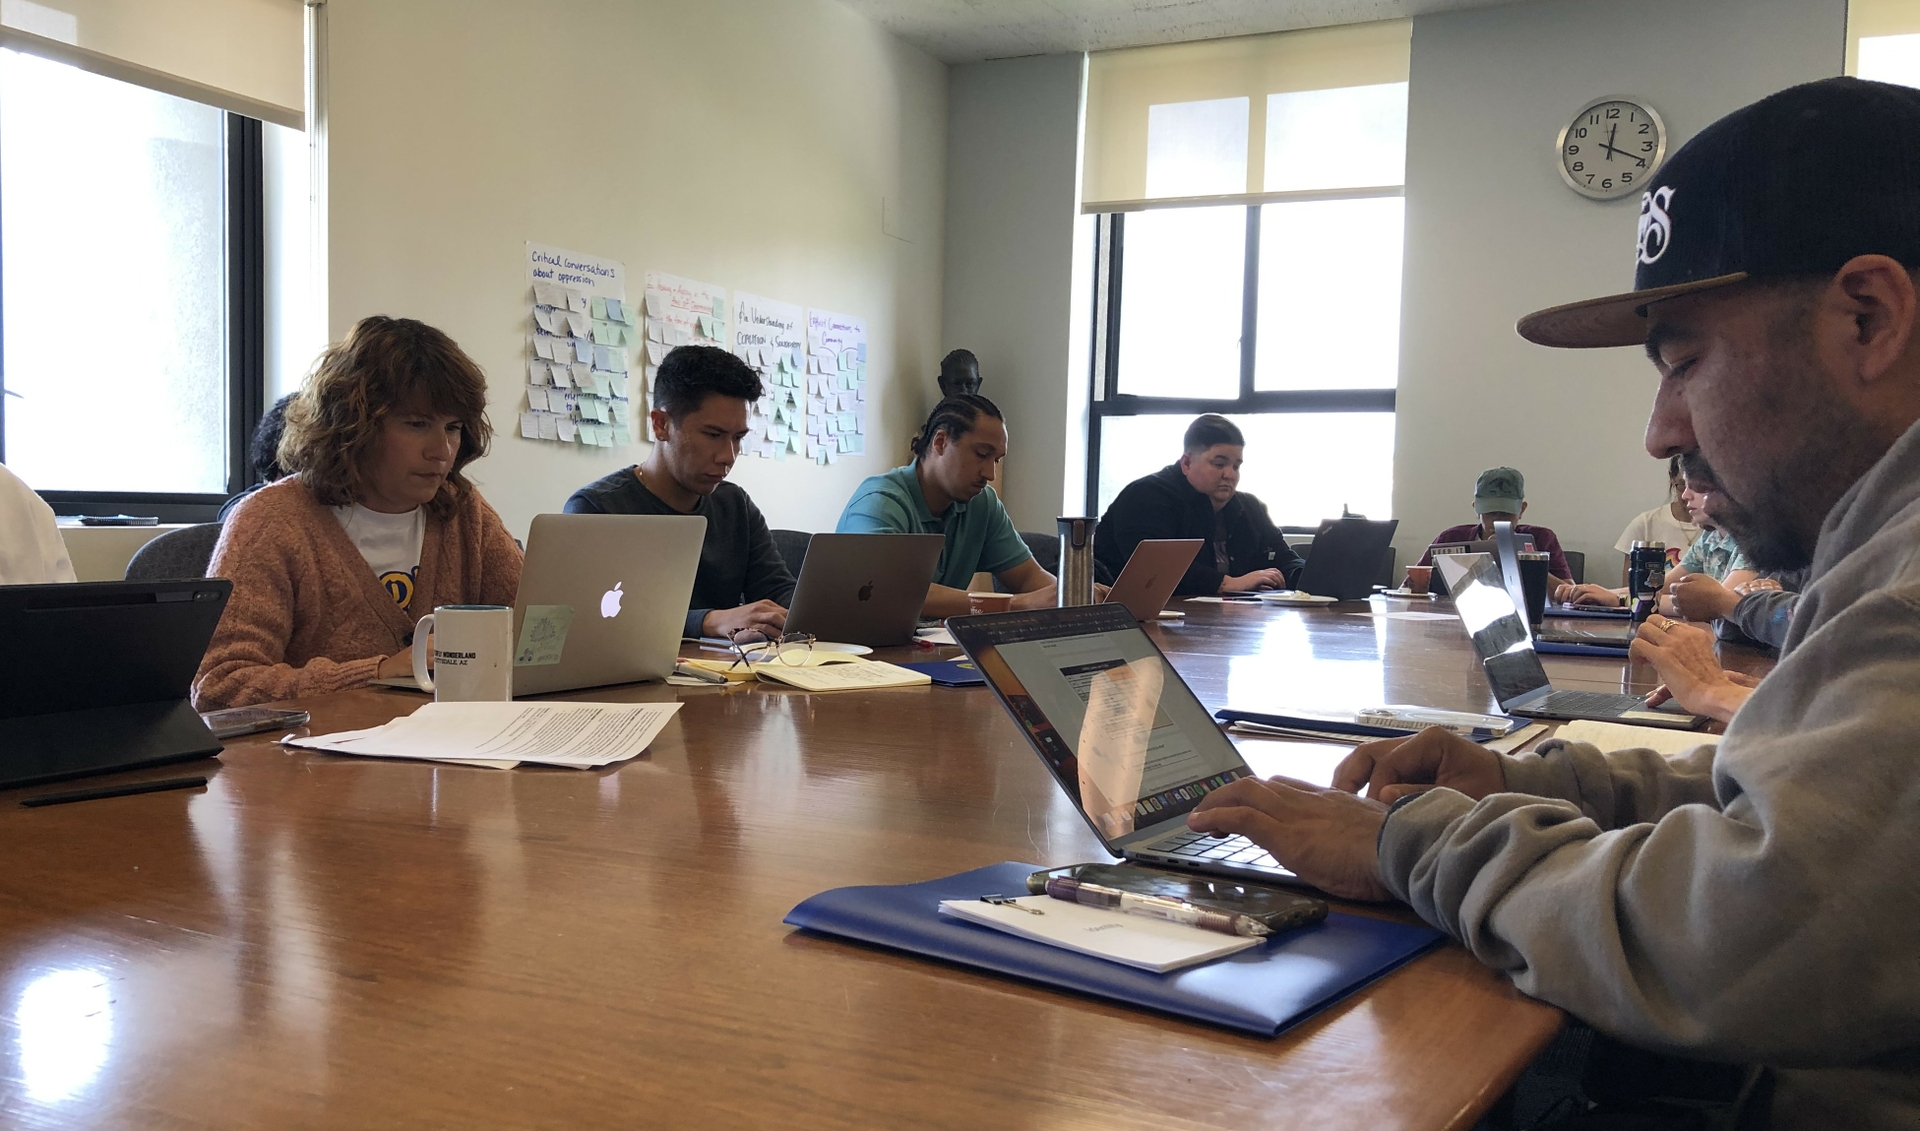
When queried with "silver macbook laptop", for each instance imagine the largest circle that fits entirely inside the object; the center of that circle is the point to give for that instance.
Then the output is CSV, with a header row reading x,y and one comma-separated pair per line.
x,y
606,595
1153,571
864,588
1519,682
1123,735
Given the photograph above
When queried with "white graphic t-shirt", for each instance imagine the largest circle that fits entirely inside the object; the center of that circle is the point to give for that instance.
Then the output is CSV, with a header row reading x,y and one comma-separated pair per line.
x,y
390,543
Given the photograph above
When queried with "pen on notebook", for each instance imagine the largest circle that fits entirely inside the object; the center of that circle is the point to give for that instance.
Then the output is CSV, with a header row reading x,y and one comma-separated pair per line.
x,y
681,667
1158,907
112,791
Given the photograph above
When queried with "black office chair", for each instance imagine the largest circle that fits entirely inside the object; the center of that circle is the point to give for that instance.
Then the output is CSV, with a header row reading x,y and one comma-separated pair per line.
x,y
1576,565
177,555
1045,549
792,545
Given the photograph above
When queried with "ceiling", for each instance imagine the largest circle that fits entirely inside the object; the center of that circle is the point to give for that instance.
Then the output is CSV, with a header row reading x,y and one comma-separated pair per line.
x,y
967,31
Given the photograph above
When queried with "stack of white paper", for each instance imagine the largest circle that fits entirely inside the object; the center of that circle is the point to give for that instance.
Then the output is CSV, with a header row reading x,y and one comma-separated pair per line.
x,y
1131,940
502,735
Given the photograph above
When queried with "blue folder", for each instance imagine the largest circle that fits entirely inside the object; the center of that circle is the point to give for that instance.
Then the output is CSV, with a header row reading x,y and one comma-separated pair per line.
x,y
949,673
1555,648
1261,990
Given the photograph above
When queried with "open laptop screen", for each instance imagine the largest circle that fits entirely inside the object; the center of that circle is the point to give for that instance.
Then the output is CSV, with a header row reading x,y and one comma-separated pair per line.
x,y
1498,630
1119,729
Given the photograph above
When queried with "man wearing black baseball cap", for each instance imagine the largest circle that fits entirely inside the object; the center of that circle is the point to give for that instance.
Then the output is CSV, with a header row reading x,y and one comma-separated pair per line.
x,y
1758,903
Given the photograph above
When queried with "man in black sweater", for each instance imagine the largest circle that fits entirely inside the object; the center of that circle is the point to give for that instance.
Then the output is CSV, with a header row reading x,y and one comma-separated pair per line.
x,y
699,417
1198,498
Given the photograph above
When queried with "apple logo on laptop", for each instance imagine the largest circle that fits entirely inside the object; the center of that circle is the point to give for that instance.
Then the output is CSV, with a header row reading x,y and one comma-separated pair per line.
x,y
610,601
866,591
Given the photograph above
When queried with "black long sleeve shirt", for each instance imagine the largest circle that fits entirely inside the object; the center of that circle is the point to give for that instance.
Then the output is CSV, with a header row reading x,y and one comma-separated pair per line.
x,y
739,563
1165,505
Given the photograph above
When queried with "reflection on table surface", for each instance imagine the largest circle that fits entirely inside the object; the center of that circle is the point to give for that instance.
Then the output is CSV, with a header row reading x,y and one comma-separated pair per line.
x,y
323,941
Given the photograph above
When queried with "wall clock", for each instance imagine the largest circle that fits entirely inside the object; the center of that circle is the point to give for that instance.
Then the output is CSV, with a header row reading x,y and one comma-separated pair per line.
x,y
1611,148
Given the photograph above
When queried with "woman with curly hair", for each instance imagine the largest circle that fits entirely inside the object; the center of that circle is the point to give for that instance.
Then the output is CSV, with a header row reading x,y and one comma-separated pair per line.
x,y
374,525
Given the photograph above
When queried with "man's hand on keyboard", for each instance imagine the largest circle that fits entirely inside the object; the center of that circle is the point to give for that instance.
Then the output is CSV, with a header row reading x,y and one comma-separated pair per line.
x,y
1436,757
1326,836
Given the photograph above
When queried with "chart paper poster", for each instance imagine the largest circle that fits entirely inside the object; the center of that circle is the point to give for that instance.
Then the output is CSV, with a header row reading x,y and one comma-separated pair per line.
x,y
579,355
771,336
836,385
682,312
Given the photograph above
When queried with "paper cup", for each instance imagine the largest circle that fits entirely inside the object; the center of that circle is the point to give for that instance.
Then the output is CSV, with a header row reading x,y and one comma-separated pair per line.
x,y
980,603
1419,578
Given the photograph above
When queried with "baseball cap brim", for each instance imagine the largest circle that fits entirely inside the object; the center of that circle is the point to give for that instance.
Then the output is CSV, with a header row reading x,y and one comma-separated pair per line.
x,y
1616,320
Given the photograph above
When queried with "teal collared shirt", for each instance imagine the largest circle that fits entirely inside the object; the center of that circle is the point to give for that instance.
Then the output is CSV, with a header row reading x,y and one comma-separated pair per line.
x,y
980,536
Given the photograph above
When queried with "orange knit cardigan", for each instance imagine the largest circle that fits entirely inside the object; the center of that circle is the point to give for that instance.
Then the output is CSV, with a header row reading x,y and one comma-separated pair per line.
x,y
308,616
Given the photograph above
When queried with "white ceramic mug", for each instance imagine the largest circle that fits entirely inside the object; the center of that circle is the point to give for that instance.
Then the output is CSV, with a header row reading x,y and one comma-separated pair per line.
x,y
472,653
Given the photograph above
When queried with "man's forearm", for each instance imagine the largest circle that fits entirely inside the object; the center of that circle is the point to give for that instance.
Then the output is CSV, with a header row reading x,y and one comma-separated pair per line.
x,y
943,602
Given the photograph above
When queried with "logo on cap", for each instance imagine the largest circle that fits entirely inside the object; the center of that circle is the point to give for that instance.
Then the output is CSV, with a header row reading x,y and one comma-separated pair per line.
x,y
1656,227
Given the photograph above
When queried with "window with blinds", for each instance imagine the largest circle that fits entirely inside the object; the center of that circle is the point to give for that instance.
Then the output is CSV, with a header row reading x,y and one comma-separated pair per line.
x,y
1883,40
1250,196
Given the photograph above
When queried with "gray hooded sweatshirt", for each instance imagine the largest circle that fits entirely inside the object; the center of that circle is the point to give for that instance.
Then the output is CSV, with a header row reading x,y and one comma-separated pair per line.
x,y
1754,903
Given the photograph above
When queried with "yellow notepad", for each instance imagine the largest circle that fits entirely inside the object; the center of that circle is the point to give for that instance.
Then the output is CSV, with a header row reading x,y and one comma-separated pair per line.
x,y
853,675
737,672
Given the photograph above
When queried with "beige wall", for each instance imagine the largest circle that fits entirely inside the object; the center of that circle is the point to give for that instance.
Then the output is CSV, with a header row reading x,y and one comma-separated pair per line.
x,y
744,142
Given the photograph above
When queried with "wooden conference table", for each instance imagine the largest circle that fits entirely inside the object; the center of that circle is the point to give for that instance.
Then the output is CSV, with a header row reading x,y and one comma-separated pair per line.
x,y
317,941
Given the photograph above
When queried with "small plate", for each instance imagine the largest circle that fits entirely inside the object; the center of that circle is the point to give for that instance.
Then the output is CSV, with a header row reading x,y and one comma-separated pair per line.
x,y
1295,597
849,649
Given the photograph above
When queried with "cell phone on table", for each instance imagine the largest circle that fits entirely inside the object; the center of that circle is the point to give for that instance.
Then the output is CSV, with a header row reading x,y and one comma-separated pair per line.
x,y
236,721
1279,910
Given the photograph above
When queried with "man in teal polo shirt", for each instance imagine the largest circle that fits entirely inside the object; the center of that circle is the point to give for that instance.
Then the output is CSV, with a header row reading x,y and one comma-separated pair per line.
x,y
946,490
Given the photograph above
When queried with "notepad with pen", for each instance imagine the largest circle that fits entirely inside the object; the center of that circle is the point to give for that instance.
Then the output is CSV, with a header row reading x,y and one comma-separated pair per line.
x,y
1261,990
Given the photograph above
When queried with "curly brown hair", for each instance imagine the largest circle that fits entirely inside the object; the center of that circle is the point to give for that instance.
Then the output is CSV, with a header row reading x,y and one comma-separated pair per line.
x,y
383,365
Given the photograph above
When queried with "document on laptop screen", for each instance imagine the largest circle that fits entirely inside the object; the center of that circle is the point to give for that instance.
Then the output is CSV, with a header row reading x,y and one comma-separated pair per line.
x,y
1132,735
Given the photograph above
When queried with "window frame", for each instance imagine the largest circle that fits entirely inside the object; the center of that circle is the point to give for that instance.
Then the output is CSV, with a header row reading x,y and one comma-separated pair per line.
x,y
1103,377
246,367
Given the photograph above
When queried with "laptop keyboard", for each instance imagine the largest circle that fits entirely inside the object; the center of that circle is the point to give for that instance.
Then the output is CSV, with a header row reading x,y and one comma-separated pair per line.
x,y
1606,704
1190,845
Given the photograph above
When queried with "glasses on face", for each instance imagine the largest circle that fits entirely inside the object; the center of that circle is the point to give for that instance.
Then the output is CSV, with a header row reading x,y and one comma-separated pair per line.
x,y
793,649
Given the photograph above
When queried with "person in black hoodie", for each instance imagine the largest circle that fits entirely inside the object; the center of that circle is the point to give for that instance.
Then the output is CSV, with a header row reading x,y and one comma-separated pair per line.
x,y
1198,498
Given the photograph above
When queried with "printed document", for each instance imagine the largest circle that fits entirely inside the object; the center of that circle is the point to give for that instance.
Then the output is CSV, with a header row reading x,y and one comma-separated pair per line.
x,y
580,735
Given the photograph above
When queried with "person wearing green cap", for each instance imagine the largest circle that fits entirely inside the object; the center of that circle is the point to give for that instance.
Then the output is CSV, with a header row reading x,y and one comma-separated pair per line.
x,y
1500,495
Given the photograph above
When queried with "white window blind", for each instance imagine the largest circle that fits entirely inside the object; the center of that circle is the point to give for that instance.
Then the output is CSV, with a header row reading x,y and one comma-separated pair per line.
x,y
247,56
1883,40
1247,119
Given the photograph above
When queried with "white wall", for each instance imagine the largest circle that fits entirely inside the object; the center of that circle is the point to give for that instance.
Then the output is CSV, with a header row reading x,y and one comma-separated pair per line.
x,y
1013,131
744,142
1493,233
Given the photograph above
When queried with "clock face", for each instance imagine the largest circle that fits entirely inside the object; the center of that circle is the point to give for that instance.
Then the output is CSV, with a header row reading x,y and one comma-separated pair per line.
x,y
1611,148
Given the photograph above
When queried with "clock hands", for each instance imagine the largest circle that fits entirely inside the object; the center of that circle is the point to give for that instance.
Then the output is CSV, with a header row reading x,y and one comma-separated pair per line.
x,y
1608,146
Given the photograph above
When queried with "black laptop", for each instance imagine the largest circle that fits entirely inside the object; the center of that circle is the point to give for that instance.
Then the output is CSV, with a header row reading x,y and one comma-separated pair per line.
x,y
1346,557
95,677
